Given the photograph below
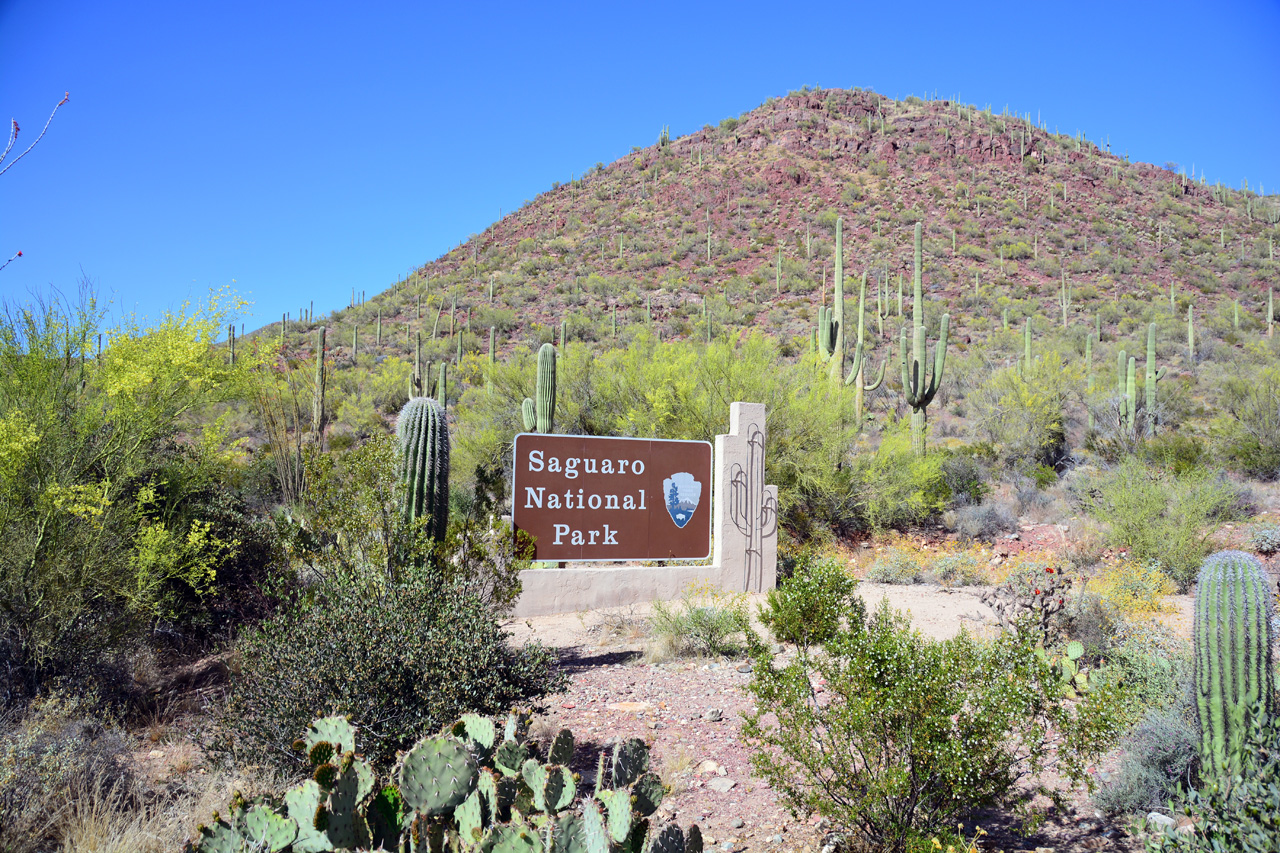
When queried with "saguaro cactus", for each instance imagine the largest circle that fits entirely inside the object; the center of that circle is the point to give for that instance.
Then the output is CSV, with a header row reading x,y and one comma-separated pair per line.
x,y
1152,377
419,379
493,359
883,308
831,320
917,386
1191,337
1088,360
423,435
1233,656
539,415
1024,364
857,374
836,372
317,404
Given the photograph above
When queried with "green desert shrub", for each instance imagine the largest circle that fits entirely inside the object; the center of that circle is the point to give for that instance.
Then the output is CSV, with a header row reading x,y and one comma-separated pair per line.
x,y
56,752
1249,432
1265,539
1159,759
1151,661
908,733
1020,413
401,659
814,603
705,622
896,565
1156,515
962,568
105,464
895,488
984,521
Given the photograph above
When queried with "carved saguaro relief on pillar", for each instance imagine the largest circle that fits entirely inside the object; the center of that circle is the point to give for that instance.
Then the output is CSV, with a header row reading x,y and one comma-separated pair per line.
x,y
746,510
753,509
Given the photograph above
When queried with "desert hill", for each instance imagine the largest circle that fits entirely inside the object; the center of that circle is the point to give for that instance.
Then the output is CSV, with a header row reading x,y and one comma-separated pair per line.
x,y
732,227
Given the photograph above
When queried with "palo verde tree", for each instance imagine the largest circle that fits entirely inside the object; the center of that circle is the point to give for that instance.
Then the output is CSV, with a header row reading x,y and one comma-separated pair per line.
x,y
92,478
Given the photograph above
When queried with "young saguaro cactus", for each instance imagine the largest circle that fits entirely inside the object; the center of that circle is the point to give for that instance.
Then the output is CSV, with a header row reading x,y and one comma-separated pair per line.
x,y
918,386
539,415
1191,337
1024,363
423,434
1233,638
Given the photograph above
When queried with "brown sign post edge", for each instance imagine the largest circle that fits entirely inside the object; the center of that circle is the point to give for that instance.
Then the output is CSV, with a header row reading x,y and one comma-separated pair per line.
x,y
588,498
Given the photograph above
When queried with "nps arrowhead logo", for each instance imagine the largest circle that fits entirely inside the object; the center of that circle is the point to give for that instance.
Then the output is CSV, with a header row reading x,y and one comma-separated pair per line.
x,y
683,493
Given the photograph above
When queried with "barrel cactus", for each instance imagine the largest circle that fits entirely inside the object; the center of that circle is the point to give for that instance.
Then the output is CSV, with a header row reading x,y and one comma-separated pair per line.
x,y
423,435
1233,637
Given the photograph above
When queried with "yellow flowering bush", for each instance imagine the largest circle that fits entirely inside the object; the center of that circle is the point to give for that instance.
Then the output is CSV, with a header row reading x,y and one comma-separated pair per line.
x,y
1132,586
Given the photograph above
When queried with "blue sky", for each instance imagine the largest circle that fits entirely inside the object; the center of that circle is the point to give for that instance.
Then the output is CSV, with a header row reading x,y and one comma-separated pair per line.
x,y
306,149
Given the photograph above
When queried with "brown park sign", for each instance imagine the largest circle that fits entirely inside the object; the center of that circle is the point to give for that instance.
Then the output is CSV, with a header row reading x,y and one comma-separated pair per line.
x,y
588,498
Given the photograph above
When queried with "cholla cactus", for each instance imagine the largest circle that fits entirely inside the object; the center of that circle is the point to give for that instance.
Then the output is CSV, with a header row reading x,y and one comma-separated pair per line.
x,y
1040,595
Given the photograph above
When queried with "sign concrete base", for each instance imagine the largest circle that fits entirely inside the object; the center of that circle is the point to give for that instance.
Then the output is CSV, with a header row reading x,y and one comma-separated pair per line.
x,y
744,527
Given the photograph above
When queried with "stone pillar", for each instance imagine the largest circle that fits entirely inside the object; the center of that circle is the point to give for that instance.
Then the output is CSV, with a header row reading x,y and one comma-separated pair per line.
x,y
745,520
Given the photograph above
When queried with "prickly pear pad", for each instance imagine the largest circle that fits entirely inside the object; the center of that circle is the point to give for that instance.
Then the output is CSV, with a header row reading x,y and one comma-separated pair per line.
x,y
332,730
648,791
266,830
437,775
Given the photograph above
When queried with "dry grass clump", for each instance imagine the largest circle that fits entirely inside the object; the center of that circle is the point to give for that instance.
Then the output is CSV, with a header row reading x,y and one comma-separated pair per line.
x,y
675,765
69,781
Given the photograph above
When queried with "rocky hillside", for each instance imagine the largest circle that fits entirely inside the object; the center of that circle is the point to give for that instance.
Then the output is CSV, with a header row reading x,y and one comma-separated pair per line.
x,y
738,220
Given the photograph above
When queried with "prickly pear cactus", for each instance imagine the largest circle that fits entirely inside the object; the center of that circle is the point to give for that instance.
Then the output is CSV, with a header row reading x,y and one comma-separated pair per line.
x,y
630,761
256,827
459,790
336,731
561,751
437,775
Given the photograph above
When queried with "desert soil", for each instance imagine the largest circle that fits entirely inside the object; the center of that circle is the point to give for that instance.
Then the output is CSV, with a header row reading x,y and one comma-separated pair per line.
x,y
691,712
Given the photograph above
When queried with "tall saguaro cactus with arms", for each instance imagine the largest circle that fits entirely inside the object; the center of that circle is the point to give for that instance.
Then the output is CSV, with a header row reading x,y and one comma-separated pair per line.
x,y
857,374
831,320
918,386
